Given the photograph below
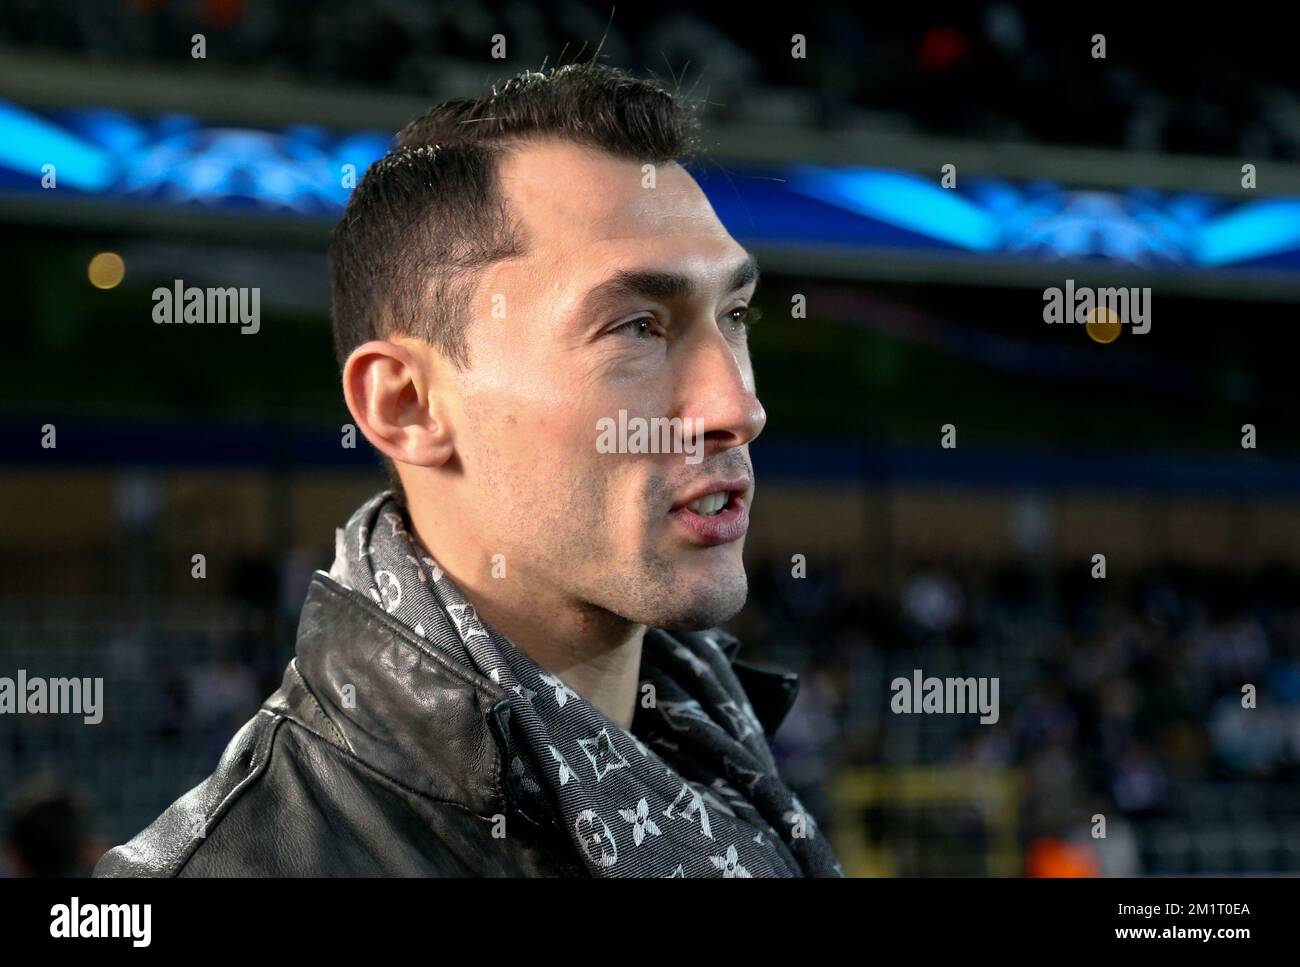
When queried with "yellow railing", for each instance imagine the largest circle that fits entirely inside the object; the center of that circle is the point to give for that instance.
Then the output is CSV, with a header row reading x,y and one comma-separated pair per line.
x,y
994,792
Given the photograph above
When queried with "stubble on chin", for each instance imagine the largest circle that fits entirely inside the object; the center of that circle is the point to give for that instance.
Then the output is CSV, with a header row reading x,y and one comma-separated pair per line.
x,y
675,589
674,597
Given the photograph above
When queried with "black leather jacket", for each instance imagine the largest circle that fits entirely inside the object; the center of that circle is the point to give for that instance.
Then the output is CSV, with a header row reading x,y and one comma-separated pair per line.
x,y
407,782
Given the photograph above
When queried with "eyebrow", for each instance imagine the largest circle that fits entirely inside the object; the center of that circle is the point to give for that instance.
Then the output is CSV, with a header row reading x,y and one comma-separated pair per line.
x,y
663,286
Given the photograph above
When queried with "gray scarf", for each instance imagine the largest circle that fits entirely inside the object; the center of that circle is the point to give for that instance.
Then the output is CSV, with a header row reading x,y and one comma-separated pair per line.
x,y
692,790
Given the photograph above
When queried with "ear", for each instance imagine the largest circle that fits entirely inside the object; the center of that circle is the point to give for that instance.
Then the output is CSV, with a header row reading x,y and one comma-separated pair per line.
x,y
389,391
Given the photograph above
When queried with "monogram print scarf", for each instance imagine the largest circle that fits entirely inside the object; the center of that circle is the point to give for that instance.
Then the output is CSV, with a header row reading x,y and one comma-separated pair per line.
x,y
691,790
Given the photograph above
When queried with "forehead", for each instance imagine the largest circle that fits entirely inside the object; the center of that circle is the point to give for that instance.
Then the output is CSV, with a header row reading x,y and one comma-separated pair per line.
x,y
572,198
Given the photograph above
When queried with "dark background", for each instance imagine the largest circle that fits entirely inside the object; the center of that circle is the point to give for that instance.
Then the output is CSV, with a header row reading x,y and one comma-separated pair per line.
x,y
1119,697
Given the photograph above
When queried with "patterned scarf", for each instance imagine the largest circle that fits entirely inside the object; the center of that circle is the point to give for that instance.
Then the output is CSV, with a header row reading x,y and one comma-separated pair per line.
x,y
692,790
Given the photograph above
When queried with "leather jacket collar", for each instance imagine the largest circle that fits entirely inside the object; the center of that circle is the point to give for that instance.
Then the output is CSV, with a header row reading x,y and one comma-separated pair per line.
x,y
372,687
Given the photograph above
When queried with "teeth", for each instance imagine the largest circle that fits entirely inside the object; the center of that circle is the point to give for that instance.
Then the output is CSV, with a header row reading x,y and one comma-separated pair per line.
x,y
709,505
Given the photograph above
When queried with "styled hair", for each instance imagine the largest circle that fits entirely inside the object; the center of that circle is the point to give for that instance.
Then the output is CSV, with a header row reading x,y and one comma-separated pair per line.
x,y
429,217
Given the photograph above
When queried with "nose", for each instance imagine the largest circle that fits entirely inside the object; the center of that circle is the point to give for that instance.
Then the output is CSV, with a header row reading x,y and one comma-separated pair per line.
x,y
720,389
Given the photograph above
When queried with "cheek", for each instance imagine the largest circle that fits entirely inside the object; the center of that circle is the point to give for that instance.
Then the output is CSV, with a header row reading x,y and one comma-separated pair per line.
x,y
532,458
534,452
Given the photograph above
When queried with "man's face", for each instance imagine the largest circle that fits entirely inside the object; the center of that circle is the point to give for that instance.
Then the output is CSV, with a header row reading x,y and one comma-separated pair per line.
x,y
609,531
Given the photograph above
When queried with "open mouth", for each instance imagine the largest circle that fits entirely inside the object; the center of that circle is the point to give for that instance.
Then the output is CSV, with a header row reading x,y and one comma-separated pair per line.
x,y
711,505
716,518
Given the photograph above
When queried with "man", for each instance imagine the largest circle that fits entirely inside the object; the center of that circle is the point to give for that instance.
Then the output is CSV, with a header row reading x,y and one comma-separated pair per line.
x,y
499,675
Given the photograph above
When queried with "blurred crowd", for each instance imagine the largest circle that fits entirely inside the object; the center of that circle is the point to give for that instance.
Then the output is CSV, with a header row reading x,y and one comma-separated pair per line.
x,y
984,70
1171,698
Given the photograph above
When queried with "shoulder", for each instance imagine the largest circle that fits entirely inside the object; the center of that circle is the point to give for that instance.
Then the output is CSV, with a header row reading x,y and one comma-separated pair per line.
x,y
165,847
273,806
285,801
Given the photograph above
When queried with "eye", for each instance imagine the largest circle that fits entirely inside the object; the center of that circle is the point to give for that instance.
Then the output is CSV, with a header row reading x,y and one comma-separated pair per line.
x,y
743,318
642,328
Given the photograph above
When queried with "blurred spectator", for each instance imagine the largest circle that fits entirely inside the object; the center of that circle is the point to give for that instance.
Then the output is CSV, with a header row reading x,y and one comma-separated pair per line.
x,y
49,832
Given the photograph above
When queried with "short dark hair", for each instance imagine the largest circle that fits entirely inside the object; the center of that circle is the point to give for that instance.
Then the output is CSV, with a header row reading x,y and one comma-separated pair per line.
x,y
428,217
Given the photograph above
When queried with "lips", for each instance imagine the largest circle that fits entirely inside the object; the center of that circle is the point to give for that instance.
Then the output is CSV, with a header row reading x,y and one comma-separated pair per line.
x,y
736,486
728,524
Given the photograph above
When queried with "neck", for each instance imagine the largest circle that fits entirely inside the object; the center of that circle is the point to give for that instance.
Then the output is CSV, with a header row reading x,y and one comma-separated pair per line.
x,y
594,652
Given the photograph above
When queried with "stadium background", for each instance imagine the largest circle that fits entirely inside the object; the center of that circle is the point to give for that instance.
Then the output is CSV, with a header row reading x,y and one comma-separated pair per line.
x,y
1119,697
